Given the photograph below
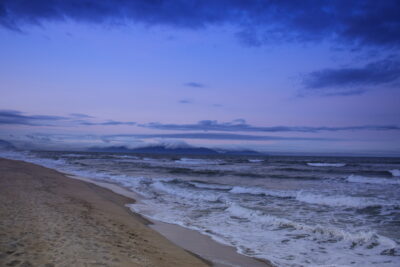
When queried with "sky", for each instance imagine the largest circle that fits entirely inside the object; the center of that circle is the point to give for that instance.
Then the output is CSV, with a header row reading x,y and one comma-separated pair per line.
x,y
310,76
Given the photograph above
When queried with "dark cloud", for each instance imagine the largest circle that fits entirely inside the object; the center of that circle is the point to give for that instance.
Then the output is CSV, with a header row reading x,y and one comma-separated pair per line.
x,y
108,123
240,125
18,118
194,84
355,22
14,117
217,136
343,81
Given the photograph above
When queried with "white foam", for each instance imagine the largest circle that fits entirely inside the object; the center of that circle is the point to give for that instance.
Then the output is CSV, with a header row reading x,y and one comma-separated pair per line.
x,y
338,200
261,191
255,160
176,191
284,231
395,172
211,186
191,161
358,238
372,180
322,164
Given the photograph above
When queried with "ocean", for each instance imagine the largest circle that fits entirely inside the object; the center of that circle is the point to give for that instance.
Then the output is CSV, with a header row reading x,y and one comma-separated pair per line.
x,y
290,210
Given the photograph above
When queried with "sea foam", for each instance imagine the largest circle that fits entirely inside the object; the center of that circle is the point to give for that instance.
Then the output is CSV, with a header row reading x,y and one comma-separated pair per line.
x,y
261,191
322,164
338,200
395,173
372,180
175,191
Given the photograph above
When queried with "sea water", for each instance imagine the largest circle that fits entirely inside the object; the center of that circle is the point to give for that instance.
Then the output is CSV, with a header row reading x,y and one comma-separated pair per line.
x,y
292,211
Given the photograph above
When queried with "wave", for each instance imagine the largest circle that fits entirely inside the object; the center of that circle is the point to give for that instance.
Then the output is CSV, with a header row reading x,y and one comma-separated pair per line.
x,y
185,193
74,155
322,164
395,172
260,191
203,185
312,198
372,180
319,232
338,200
191,161
255,160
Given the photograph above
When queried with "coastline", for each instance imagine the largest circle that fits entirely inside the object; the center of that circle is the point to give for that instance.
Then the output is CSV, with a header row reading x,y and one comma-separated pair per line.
x,y
48,219
164,245
220,255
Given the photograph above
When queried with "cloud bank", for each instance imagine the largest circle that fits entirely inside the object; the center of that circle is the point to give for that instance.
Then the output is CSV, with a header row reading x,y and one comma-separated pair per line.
x,y
343,80
240,125
356,22
18,118
14,117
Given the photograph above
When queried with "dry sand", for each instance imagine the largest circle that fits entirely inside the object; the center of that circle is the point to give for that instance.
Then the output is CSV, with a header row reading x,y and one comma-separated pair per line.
x,y
47,219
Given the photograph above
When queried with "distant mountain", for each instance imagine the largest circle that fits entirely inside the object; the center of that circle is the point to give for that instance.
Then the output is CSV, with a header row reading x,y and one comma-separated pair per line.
x,y
5,145
172,150
156,150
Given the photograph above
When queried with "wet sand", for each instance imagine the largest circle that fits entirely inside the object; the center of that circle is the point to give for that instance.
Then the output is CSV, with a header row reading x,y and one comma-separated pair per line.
x,y
47,219
218,254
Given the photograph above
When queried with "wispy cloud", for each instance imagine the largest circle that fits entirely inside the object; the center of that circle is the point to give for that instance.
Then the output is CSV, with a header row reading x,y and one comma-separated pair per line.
x,y
356,22
40,140
14,117
18,118
80,115
218,136
194,84
185,101
240,125
108,123
353,80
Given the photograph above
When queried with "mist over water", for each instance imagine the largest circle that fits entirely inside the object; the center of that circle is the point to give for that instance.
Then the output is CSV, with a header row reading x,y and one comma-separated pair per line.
x,y
293,211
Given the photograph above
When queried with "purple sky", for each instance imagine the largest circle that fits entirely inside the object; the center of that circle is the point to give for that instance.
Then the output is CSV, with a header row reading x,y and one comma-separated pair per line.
x,y
316,77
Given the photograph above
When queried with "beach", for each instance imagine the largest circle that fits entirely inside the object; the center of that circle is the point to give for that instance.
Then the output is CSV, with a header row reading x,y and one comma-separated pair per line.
x,y
48,219
152,210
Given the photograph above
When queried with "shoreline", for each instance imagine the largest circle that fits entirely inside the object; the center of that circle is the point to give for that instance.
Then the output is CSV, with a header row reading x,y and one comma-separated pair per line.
x,y
196,249
220,255
48,219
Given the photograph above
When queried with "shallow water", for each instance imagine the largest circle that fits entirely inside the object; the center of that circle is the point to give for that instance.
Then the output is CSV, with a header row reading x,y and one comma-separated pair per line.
x,y
293,211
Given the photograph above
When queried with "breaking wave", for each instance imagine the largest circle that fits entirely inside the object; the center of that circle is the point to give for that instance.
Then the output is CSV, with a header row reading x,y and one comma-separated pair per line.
x,y
185,193
338,200
260,191
203,185
321,164
395,173
359,238
372,180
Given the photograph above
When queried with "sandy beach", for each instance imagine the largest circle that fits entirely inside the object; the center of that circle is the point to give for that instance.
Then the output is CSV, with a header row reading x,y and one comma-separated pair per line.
x,y
48,219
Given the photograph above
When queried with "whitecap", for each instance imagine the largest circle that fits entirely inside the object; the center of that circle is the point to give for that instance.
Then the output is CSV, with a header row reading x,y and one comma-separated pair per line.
x,y
322,164
395,172
211,186
177,191
255,160
338,200
372,180
260,191
191,161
